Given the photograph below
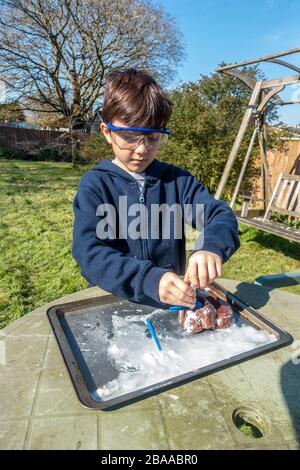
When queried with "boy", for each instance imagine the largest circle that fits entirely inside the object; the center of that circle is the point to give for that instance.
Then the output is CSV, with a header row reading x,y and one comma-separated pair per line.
x,y
145,268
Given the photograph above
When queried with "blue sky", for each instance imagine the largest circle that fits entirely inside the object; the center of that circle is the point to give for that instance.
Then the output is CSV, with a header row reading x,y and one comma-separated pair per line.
x,y
237,30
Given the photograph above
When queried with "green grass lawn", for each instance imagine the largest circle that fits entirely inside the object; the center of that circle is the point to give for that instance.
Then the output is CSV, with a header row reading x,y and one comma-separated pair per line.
x,y
36,264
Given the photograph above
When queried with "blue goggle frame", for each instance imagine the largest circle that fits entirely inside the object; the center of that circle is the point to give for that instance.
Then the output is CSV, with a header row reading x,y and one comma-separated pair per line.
x,y
142,129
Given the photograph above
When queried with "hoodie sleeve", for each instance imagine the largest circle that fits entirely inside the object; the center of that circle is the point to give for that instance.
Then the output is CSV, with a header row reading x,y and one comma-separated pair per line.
x,y
104,266
220,227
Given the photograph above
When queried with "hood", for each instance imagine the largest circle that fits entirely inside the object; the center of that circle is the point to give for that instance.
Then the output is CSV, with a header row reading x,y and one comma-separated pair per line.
x,y
154,171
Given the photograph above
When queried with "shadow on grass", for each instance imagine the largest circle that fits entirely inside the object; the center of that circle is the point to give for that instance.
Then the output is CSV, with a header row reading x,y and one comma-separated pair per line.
x,y
288,248
272,242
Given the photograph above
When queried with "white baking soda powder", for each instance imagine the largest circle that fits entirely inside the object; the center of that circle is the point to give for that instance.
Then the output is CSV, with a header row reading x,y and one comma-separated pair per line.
x,y
140,364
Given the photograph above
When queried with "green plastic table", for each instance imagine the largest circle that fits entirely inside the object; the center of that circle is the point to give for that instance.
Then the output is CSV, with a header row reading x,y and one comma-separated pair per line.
x,y
40,410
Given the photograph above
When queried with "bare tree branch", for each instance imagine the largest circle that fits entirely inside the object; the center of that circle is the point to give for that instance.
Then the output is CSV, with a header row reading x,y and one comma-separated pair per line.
x,y
54,54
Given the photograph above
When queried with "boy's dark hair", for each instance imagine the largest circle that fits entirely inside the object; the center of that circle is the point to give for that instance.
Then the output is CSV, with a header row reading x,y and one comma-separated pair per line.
x,y
134,97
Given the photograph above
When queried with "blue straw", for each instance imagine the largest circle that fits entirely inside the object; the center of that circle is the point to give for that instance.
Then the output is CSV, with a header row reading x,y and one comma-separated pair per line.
x,y
175,308
153,334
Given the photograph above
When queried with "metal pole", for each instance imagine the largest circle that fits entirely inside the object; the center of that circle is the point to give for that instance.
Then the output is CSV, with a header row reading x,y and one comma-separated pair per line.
x,y
260,59
239,138
245,163
263,153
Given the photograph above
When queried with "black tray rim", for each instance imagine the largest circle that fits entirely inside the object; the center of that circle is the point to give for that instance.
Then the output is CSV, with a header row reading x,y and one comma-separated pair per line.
x,y
78,380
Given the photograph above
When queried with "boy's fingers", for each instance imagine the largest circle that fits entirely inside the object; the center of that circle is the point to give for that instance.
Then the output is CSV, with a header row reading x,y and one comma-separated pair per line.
x,y
173,300
177,297
184,287
212,271
186,277
219,267
193,274
203,274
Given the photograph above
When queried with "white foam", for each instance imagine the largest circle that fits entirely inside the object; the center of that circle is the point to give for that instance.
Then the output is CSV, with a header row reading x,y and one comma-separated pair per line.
x,y
140,364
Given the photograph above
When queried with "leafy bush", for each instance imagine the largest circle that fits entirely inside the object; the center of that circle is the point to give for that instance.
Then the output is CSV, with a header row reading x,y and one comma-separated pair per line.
x,y
95,148
44,154
206,118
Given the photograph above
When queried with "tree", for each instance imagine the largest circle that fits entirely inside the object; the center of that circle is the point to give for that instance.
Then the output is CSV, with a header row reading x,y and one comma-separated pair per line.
x,y
206,118
49,121
55,53
11,112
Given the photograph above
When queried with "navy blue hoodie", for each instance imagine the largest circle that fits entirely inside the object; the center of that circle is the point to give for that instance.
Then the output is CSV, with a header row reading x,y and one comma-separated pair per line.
x,y
131,268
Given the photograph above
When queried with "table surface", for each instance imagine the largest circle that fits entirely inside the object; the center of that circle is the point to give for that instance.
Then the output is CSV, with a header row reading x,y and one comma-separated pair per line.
x,y
40,410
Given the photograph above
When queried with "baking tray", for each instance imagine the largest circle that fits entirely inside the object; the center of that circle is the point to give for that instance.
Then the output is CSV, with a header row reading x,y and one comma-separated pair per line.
x,y
83,330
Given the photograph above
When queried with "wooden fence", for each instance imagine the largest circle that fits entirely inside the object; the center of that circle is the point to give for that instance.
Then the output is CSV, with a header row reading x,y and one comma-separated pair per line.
x,y
286,161
19,134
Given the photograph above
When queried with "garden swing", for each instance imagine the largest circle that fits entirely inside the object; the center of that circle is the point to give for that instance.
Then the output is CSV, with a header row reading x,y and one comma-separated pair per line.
x,y
285,196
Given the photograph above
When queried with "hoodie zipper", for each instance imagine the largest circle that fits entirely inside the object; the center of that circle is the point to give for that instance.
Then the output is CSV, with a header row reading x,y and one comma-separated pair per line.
x,y
142,193
143,240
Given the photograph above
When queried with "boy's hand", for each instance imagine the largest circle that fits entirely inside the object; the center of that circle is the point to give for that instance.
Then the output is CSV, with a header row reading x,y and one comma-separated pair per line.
x,y
173,290
203,268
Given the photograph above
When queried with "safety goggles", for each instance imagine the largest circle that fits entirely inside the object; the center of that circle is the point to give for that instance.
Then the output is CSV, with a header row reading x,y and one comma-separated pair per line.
x,y
129,138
